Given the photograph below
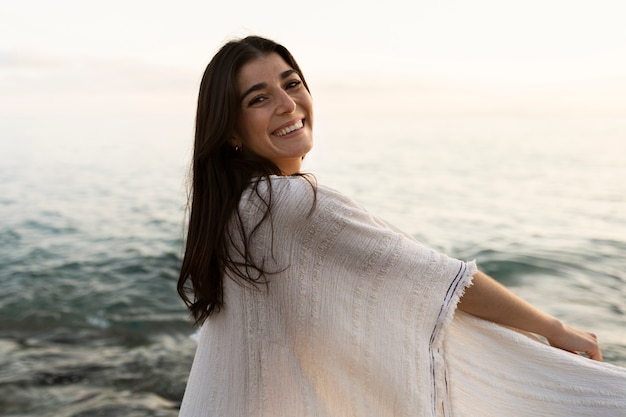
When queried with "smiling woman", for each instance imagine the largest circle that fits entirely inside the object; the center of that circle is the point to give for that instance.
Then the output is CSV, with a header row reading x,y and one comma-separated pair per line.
x,y
312,306
276,113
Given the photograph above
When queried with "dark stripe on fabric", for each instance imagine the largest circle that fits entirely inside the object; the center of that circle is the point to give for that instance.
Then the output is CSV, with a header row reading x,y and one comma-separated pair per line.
x,y
452,290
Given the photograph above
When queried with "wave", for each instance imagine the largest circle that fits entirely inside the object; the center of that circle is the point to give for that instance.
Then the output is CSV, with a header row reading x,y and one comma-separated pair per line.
x,y
118,297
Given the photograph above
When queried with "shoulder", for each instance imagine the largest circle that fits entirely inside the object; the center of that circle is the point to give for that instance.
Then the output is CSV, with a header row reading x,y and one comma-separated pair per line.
x,y
303,192
290,189
293,197
302,197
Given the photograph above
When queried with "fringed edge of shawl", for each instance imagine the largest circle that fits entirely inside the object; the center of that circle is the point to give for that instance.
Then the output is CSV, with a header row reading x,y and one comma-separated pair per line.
x,y
441,406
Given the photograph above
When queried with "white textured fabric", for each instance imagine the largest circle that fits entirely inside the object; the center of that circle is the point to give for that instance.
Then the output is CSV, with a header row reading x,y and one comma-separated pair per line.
x,y
494,371
353,325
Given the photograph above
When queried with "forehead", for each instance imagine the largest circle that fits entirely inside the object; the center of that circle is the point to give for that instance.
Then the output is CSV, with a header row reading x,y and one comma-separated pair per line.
x,y
263,69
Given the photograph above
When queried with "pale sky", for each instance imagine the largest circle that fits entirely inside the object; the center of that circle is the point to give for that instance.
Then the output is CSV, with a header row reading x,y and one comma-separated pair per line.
x,y
78,45
452,38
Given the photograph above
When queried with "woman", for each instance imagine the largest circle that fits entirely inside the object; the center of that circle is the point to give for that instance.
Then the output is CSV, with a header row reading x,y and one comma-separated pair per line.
x,y
311,306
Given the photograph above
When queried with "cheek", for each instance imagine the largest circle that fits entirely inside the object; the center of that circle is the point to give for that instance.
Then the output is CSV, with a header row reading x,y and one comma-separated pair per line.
x,y
245,127
254,124
252,131
308,105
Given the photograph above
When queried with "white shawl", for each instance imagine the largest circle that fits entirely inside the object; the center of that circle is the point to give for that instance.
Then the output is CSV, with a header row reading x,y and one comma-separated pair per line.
x,y
352,324
496,371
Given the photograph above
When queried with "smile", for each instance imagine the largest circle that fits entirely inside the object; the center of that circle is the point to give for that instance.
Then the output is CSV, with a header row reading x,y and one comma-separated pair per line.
x,y
296,126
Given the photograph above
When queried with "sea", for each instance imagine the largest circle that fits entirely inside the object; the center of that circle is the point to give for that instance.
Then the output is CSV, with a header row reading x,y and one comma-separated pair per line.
x,y
530,182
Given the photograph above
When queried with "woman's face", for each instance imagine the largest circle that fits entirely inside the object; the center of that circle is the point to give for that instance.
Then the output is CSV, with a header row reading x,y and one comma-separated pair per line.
x,y
276,118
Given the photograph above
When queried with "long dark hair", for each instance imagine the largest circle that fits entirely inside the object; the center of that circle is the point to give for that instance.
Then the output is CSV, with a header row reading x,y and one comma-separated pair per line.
x,y
219,175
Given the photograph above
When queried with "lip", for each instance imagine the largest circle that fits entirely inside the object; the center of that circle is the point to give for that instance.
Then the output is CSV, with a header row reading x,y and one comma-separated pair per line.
x,y
290,123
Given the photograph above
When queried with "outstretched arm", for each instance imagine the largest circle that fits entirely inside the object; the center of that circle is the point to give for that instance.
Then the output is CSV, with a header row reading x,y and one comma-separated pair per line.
x,y
489,300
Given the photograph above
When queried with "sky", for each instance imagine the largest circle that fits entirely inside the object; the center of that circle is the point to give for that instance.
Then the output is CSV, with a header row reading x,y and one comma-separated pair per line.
x,y
71,48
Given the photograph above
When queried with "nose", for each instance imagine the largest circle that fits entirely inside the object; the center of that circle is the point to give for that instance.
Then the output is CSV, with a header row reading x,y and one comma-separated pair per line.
x,y
286,103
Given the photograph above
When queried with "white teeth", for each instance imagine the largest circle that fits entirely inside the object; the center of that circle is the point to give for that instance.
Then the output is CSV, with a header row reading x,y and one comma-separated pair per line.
x,y
289,129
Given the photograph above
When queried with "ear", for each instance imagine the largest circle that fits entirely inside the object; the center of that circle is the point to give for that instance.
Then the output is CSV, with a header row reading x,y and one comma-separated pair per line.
x,y
235,142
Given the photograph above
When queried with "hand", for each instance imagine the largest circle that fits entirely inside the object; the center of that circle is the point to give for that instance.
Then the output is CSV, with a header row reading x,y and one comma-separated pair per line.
x,y
576,341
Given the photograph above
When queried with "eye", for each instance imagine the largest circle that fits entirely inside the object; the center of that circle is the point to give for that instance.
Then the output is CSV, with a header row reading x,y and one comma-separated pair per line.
x,y
257,100
293,84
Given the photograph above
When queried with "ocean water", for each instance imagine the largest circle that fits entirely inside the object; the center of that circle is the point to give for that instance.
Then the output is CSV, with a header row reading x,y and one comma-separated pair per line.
x,y
92,213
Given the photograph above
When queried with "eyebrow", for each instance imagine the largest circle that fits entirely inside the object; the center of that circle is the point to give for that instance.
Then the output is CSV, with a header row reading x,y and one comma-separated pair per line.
x,y
261,86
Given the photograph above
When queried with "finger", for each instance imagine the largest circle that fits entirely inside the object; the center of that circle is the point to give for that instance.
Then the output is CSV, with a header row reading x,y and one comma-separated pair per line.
x,y
596,355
